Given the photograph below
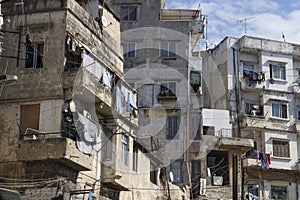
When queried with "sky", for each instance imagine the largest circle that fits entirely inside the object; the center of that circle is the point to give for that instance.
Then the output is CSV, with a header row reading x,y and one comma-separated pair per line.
x,y
266,18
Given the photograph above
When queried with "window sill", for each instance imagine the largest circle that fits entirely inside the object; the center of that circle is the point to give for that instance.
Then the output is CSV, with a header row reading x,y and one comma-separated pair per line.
x,y
280,80
167,97
281,158
279,119
168,58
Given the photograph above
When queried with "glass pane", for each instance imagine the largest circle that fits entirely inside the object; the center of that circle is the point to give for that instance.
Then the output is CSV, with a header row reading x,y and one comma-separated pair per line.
x,y
172,89
284,111
164,49
275,110
172,49
124,13
132,12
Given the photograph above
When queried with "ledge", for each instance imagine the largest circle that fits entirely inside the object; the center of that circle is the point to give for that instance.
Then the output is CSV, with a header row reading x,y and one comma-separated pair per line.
x,y
279,119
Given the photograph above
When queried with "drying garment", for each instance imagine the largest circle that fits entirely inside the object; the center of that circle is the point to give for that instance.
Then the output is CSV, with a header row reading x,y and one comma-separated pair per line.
x,y
268,160
118,100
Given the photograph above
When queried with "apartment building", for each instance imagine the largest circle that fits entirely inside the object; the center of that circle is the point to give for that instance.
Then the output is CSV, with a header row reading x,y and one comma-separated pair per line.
x,y
158,48
257,81
68,117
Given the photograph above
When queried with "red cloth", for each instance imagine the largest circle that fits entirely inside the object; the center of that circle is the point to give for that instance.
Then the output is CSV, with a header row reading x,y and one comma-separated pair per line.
x,y
268,160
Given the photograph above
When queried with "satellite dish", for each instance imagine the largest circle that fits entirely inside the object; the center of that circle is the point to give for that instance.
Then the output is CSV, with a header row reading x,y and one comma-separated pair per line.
x,y
171,176
104,21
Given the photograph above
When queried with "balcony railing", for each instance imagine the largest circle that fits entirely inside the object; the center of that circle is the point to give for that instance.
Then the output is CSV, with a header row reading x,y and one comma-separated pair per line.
x,y
224,133
36,145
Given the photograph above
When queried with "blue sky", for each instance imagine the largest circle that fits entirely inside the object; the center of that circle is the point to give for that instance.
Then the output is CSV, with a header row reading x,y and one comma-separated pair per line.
x,y
270,18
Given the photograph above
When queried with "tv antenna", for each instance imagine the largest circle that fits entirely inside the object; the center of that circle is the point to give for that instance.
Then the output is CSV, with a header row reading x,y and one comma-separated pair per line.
x,y
245,21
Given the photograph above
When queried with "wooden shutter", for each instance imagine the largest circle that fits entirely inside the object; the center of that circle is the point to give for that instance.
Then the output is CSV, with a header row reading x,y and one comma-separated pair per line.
x,y
281,148
29,117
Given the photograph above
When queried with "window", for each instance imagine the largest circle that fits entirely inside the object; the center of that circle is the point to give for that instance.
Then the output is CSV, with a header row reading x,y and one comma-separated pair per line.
x,y
253,109
167,89
135,158
124,149
209,130
196,169
195,79
107,149
253,191
279,192
34,54
168,49
153,173
129,49
298,115
172,126
29,117
277,71
129,13
248,70
279,110
281,148
176,169
145,97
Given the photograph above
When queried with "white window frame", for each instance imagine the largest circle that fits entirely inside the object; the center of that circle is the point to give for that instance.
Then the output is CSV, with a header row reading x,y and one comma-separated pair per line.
x,y
127,49
170,52
280,110
124,149
167,85
278,71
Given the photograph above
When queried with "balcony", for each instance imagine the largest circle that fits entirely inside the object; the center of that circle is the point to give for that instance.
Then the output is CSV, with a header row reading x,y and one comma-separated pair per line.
x,y
253,121
227,133
242,144
48,146
252,80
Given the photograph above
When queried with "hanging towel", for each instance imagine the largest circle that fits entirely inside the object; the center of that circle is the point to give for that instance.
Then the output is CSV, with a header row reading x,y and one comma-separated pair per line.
x,y
268,160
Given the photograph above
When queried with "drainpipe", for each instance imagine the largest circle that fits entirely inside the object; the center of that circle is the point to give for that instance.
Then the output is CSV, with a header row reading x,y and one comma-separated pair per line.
x,y
237,98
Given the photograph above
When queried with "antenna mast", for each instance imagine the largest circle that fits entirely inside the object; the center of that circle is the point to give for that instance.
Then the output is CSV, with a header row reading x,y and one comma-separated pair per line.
x,y
245,21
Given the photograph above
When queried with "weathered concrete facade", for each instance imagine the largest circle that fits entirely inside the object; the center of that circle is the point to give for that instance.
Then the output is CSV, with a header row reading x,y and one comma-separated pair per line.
x,y
63,57
67,125
158,45
258,84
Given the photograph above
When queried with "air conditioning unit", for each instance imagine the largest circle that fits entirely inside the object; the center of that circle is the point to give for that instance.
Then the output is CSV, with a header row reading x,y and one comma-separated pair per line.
x,y
87,114
202,186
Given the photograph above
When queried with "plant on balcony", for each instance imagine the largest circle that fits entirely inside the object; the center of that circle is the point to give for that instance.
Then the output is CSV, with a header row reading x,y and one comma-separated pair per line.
x,y
164,92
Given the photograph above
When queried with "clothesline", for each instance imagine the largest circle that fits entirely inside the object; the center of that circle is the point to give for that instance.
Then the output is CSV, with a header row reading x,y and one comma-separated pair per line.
x,y
263,157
